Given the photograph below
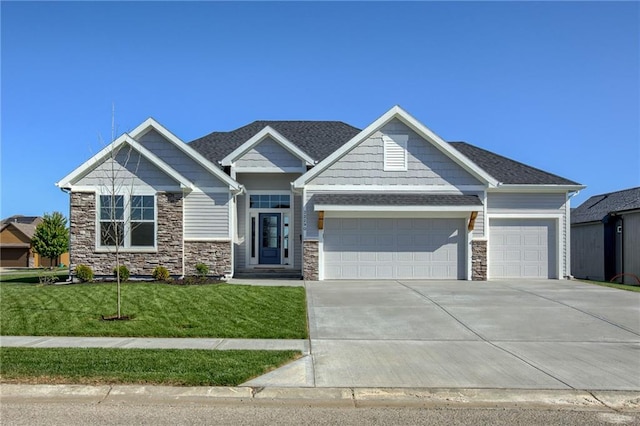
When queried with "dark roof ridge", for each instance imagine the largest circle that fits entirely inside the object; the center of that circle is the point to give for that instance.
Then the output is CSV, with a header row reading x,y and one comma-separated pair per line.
x,y
635,188
316,138
254,122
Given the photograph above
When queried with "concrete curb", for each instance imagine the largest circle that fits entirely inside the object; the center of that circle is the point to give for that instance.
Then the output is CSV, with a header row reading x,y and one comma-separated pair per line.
x,y
355,397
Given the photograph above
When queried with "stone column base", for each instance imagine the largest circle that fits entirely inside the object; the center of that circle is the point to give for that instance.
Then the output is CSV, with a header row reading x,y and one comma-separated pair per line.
x,y
479,260
310,259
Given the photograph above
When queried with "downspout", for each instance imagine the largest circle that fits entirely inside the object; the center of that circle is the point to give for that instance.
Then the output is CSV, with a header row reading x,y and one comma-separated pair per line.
x,y
184,202
233,223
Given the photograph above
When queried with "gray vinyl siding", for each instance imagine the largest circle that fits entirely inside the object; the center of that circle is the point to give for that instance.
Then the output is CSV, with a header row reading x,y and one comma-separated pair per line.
x,y
179,161
269,153
311,217
631,246
525,203
128,169
267,181
478,230
206,215
587,251
243,240
364,164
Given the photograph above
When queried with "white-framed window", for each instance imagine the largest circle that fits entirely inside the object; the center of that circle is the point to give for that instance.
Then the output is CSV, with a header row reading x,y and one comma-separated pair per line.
x,y
269,201
395,152
127,220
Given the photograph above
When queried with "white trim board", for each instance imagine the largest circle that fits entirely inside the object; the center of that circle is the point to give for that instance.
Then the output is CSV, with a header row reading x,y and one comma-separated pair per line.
x,y
462,189
330,207
397,214
536,188
270,169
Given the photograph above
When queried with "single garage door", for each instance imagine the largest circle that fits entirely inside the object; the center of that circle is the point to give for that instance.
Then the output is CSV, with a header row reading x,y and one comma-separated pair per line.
x,y
522,248
14,257
356,248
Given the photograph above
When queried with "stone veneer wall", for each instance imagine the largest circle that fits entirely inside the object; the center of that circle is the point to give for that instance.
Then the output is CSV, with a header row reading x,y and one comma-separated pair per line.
x,y
310,260
169,238
479,260
215,254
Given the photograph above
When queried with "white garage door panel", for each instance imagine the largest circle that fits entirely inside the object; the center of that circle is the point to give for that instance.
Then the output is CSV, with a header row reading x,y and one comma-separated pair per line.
x,y
393,248
522,248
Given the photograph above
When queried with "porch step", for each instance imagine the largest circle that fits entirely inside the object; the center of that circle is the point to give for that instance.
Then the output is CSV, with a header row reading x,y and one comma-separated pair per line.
x,y
268,273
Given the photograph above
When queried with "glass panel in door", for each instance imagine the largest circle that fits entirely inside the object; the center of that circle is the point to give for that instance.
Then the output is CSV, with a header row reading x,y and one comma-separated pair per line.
x,y
270,236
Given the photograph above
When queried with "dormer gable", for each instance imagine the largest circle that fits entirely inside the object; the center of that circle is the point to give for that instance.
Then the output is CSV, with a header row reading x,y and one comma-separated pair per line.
x,y
268,151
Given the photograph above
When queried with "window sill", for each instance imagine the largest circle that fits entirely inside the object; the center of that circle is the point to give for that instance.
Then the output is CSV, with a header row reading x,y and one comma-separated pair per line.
x,y
127,250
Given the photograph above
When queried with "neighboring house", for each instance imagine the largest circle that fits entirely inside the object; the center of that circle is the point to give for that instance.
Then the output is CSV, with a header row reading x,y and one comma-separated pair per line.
x,y
323,199
605,237
16,233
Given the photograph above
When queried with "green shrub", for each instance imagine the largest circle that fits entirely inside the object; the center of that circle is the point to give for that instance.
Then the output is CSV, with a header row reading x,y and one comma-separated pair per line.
x,y
84,273
160,273
124,273
202,269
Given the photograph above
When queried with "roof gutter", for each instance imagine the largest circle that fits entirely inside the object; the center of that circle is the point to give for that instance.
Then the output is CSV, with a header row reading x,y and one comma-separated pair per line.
x,y
505,187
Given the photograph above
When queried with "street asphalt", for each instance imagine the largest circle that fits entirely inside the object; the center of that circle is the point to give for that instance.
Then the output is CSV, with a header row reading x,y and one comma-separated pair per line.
x,y
402,340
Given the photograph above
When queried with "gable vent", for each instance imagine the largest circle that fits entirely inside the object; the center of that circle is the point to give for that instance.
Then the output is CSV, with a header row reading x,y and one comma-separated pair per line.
x,y
395,152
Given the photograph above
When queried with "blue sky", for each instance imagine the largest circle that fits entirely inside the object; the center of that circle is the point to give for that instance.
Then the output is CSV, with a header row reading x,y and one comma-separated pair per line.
x,y
554,85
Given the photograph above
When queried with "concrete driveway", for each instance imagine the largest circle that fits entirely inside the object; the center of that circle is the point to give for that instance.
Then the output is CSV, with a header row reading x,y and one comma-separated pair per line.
x,y
459,334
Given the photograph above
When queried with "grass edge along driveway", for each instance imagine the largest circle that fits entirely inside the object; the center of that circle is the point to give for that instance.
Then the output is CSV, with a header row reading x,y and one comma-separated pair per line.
x,y
156,309
172,367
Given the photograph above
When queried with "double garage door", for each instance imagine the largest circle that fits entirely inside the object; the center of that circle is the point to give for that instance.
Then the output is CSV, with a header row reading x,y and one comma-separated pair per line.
x,y
407,248
14,257
522,248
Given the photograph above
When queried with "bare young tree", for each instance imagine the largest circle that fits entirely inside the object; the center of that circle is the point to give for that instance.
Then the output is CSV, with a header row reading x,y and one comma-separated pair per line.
x,y
124,217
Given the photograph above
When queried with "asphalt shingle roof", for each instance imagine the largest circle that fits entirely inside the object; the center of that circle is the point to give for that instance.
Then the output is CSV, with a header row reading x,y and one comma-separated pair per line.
x,y
316,138
397,200
321,138
25,224
506,170
599,206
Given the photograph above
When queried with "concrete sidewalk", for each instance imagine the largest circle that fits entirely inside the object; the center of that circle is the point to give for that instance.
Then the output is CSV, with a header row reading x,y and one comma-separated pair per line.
x,y
154,343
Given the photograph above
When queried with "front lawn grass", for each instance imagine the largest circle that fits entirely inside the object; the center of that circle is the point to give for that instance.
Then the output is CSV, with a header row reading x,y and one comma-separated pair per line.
x,y
627,287
156,310
175,367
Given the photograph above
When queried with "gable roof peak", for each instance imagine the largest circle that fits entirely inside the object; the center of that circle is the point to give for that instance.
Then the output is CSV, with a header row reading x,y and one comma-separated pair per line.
x,y
415,125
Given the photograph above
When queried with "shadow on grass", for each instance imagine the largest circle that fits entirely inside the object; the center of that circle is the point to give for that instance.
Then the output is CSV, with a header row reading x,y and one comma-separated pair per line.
x,y
32,279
